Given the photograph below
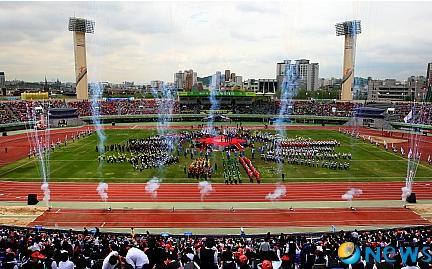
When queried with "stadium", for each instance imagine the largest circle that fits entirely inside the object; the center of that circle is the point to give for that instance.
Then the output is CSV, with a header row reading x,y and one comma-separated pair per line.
x,y
215,177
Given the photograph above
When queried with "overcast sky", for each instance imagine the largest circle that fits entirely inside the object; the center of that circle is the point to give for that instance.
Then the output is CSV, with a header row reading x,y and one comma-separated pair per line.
x,y
144,41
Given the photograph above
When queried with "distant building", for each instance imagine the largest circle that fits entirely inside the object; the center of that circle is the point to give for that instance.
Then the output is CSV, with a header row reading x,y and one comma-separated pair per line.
x,y
189,80
2,83
388,90
2,80
429,76
216,80
429,81
329,82
156,84
179,80
185,80
261,86
360,88
308,72
414,88
267,86
312,82
46,87
280,72
128,84
227,75
418,86
238,80
251,85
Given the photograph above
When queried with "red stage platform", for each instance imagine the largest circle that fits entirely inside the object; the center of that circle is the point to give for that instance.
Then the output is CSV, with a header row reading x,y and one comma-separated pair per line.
x,y
220,141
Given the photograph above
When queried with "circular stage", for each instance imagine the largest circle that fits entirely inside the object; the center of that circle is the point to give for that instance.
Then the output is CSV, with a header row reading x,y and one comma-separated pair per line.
x,y
222,141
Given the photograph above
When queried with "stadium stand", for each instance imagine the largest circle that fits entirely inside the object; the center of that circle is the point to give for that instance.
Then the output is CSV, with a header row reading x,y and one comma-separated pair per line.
x,y
35,248
16,111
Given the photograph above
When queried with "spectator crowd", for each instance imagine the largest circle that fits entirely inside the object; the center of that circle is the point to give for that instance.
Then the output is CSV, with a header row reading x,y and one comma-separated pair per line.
x,y
34,248
17,111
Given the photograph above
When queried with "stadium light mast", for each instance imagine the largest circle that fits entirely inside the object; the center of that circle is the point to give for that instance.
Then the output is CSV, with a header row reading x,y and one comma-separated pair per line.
x,y
349,29
80,27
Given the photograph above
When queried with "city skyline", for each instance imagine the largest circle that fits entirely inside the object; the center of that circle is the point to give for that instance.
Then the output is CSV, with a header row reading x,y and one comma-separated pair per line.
x,y
150,41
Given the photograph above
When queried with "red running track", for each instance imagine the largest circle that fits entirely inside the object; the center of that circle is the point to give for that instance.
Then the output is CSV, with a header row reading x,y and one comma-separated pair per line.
x,y
133,192
18,146
424,143
225,219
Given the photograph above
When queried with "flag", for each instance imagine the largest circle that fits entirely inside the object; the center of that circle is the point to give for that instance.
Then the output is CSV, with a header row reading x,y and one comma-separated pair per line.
x,y
408,117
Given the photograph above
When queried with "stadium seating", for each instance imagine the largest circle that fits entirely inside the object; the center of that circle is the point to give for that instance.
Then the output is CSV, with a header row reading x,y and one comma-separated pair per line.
x,y
35,248
17,111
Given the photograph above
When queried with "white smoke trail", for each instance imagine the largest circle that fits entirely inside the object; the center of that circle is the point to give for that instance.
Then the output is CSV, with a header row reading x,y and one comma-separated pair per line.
x,y
96,90
165,97
414,155
46,192
165,100
102,190
405,193
96,47
152,186
214,87
351,194
278,193
205,189
288,91
40,141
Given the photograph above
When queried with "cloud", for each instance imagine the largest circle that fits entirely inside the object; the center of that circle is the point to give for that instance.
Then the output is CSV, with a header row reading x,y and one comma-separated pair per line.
x,y
143,41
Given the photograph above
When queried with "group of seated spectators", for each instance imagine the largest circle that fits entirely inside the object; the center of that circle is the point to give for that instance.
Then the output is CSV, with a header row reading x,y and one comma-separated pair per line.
x,y
36,249
337,109
422,112
17,111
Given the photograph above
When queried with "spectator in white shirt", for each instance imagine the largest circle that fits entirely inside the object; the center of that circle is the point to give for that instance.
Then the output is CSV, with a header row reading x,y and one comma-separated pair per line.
x,y
111,261
65,263
136,258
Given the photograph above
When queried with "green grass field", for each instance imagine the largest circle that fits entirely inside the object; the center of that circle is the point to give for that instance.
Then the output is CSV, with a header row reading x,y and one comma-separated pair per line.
x,y
77,162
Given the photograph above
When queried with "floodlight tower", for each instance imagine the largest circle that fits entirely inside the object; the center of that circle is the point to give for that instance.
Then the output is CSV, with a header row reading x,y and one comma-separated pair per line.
x,y
350,29
80,27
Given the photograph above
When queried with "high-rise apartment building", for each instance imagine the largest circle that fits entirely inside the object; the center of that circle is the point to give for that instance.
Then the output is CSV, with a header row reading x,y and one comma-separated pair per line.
x,y
227,75
185,80
308,74
2,80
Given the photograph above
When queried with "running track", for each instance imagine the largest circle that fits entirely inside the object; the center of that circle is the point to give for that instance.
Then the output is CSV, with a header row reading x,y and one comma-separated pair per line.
x,y
18,147
226,219
134,192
